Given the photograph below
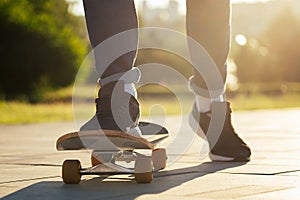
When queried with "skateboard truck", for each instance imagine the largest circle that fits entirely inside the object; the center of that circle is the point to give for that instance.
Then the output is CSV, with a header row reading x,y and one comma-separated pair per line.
x,y
143,168
126,148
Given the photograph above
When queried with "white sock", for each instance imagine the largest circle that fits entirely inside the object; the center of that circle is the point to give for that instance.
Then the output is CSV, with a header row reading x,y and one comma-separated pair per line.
x,y
130,89
203,104
135,131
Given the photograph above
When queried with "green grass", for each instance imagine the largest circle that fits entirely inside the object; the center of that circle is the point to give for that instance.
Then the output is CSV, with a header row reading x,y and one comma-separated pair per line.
x,y
20,112
259,101
57,106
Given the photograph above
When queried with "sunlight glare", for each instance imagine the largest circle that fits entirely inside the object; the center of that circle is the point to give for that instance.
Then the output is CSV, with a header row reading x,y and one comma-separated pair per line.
x,y
77,5
241,40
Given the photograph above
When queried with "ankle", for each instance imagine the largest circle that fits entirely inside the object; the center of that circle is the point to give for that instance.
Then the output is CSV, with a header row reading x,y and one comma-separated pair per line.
x,y
203,104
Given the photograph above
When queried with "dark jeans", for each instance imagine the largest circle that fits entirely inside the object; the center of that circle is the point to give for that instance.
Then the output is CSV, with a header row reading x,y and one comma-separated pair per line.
x,y
208,22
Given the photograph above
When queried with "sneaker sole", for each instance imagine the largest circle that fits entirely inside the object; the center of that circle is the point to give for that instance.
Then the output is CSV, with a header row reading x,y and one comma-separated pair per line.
x,y
217,158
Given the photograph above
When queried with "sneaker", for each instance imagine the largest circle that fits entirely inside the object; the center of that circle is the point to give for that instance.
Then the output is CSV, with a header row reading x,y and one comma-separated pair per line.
x,y
115,110
229,146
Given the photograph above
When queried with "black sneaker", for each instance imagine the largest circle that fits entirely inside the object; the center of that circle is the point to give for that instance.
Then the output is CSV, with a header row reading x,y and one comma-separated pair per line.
x,y
115,110
229,147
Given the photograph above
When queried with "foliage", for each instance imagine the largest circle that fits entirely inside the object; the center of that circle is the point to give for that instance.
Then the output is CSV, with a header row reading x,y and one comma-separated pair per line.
x,y
274,56
169,59
283,43
41,47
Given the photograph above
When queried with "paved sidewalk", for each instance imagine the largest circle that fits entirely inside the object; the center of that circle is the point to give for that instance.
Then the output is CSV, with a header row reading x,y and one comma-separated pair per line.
x,y
31,167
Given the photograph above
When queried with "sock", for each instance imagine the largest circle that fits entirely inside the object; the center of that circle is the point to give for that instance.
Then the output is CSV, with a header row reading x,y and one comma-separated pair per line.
x,y
203,104
130,89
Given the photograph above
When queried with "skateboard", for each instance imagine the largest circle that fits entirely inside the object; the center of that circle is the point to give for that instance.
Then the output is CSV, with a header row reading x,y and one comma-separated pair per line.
x,y
111,146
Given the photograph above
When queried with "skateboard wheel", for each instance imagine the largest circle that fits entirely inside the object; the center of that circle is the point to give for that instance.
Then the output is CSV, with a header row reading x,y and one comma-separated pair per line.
x,y
143,170
71,171
146,177
159,158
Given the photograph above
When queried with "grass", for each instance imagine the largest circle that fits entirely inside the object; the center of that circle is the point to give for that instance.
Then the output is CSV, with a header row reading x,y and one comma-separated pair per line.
x,y
57,106
259,101
20,112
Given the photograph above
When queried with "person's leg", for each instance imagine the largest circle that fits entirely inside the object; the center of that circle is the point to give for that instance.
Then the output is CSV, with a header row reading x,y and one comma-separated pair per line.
x,y
105,19
117,105
208,22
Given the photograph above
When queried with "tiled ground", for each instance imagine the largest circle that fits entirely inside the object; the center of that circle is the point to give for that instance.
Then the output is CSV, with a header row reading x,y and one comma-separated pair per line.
x,y
30,166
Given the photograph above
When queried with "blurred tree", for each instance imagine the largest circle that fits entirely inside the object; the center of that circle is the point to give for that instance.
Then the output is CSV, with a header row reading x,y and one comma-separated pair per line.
x,y
253,65
41,46
274,56
169,59
283,44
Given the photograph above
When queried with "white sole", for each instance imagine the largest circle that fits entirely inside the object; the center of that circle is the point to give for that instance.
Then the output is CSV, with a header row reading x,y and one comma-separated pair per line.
x,y
220,158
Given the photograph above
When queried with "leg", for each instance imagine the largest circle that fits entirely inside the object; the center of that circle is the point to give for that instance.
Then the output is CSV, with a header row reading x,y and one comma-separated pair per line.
x,y
208,22
105,19
116,105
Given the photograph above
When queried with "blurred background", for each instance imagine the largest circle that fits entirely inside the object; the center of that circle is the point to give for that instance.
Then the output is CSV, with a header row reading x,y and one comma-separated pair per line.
x,y
44,42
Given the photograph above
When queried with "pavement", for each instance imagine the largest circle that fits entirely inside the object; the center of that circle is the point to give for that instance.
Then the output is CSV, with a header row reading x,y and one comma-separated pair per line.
x,y
31,167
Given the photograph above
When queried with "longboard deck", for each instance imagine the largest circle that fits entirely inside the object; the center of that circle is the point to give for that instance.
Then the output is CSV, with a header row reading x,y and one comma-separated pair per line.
x,y
110,140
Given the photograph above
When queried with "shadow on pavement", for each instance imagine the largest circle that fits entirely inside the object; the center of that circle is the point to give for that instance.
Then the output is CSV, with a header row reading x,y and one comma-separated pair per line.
x,y
110,188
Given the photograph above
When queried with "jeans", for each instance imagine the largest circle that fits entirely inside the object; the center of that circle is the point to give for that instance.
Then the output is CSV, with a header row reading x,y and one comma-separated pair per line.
x,y
207,22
